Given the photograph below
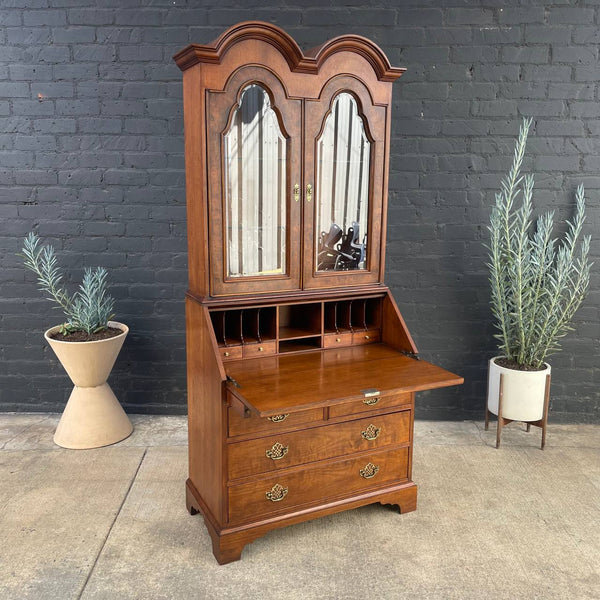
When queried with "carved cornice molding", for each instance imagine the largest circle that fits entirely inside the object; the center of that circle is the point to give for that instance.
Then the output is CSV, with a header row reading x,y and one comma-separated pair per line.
x,y
298,61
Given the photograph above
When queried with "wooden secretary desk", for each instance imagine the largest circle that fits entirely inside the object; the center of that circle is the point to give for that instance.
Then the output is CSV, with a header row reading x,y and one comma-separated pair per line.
x,y
301,371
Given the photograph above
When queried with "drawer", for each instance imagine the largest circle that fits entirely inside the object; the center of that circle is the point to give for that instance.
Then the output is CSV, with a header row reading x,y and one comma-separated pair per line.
x,y
367,404
230,352
260,349
299,447
366,337
239,425
333,340
318,484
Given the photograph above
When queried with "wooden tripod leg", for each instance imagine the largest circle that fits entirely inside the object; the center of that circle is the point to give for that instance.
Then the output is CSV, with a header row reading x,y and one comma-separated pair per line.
x,y
500,421
487,402
546,404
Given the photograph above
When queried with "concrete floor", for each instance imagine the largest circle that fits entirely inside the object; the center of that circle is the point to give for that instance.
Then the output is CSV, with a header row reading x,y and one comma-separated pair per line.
x,y
111,523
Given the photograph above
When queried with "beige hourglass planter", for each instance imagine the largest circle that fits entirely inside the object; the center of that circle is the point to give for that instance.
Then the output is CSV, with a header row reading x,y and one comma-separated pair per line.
x,y
93,416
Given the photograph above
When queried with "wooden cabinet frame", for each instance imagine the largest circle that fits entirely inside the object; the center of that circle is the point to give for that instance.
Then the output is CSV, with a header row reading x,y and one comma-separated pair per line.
x,y
281,365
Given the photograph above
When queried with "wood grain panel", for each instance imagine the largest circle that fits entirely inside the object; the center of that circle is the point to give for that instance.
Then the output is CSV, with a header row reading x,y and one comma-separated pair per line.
x,y
333,376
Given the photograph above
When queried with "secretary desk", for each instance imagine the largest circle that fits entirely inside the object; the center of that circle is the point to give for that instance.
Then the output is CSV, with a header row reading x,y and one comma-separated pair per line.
x,y
301,371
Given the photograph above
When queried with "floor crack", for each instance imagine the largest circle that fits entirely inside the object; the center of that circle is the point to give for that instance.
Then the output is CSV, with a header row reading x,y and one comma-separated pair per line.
x,y
91,571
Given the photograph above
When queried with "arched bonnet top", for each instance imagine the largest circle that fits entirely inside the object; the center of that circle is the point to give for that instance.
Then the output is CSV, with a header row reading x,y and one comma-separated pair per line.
x,y
297,60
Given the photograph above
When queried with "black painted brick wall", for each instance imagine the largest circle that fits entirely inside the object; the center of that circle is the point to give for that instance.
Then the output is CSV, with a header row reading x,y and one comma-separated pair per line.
x,y
91,157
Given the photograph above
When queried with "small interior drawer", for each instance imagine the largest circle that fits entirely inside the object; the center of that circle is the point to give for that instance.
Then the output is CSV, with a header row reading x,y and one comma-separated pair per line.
x,y
260,349
384,401
281,492
231,352
239,425
368,336
333,340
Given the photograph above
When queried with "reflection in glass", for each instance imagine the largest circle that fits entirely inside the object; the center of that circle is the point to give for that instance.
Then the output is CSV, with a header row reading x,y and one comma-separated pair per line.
x,y
342,189
255,188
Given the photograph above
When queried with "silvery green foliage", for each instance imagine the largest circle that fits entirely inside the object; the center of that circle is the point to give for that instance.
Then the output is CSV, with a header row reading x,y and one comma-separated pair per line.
x,y
537,282
90,308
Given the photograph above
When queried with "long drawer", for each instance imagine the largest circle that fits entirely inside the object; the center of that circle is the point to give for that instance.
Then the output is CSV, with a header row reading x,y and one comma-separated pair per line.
x,y
299,447
317,484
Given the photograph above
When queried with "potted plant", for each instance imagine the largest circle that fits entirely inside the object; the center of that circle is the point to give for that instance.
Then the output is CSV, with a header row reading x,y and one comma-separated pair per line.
x,y
537,285
87,345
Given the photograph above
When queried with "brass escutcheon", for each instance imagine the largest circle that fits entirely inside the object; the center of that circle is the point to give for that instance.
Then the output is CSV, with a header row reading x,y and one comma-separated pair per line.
x,y
297,192
277,452
276,493
308,192
279,418
369,470
371,432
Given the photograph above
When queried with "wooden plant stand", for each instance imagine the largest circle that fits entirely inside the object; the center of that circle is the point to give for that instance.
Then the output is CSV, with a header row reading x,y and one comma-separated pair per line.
x,y
502,421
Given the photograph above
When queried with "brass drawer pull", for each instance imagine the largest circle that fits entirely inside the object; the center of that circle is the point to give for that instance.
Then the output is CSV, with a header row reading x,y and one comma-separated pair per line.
x,y
370,401
370,470
371,432
277,452
279,418
276,493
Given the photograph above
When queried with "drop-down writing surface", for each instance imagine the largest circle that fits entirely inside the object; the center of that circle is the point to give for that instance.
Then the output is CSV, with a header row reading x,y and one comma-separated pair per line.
x,y
273,385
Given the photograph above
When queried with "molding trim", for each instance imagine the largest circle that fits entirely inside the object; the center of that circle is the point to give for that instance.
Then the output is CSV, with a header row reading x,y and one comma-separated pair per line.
x,y
298,61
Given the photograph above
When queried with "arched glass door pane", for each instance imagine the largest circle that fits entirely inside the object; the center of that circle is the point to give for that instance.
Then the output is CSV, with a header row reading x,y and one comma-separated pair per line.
x,y
255,188
343,153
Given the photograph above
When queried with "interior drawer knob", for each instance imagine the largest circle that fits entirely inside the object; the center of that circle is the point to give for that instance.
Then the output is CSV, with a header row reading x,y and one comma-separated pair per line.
x,y
276,493
371,432
279,418
277,452
369,470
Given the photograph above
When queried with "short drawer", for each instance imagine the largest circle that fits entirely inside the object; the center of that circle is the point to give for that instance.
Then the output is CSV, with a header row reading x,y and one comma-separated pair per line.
x,y
239,425
366,337
231,352
318,484
337,340
260,349
319,443
368,404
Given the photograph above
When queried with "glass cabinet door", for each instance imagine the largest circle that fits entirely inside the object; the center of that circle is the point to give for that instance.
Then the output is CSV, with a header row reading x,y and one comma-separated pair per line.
x,y
345,135
343,153
255,182
254,212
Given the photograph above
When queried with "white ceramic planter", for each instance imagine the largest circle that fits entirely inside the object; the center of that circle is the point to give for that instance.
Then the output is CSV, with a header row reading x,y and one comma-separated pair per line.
x,y
93,416
523,392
